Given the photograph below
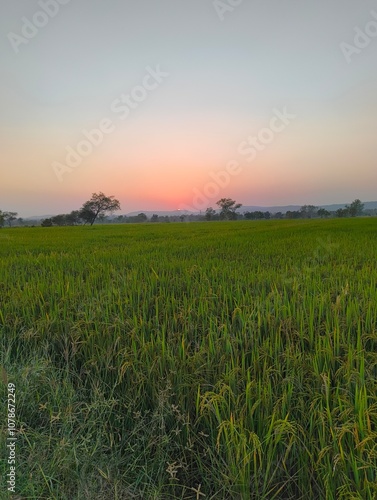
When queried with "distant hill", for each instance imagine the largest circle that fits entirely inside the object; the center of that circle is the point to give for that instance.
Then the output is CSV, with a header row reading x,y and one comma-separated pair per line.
x,y
149,213
39,217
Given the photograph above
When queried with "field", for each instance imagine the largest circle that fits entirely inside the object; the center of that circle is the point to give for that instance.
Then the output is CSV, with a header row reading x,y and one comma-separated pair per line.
x,y
231,360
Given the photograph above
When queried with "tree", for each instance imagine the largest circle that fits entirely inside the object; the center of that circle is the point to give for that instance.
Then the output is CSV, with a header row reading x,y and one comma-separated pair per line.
x,y
102,218
9,217
356,208
228,208
59,220
1,219
322,212
293,214
98,206
308,211
73,218
136,219
257,215
210,213
154,218
46,223
142,217
343,212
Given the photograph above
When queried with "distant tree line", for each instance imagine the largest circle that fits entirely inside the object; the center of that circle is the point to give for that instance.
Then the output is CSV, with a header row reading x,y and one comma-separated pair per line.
x,y
99,209
310,211
305,212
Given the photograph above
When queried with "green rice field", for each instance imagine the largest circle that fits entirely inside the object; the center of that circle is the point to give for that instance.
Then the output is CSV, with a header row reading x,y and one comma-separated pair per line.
x,y
219,360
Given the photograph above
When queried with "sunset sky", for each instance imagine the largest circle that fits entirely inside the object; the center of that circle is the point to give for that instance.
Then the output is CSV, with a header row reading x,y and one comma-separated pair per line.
x,y
279,91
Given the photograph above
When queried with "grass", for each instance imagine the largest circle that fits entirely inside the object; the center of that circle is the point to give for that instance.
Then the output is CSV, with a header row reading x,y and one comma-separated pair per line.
x,y
189,361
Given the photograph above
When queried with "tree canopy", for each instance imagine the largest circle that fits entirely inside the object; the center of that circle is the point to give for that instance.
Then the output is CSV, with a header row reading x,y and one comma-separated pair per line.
x,y
8,217
98,205
228,208
356,208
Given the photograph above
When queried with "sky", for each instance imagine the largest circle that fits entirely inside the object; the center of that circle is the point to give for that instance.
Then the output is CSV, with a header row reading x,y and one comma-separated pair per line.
x,y
175,104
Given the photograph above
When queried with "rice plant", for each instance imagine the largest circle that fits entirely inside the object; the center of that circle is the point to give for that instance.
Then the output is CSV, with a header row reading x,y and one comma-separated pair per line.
x,y
204,360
